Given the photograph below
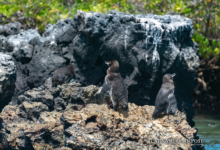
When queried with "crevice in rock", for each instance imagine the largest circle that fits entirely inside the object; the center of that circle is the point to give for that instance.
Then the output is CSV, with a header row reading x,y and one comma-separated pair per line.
x,y
47,137
30,85
99,61
63,44
132,139
65,123
33,115
28,144
103,128
155,145
67,61
91,119
78,101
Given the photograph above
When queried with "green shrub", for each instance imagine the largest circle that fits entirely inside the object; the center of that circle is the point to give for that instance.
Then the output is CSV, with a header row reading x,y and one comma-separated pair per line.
x,y
205,14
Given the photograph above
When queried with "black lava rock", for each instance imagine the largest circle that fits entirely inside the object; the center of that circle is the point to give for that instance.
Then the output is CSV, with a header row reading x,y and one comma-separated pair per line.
x,y
146,47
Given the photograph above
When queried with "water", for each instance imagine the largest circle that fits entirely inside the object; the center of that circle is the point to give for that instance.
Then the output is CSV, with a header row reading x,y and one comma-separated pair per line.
x,y
208,125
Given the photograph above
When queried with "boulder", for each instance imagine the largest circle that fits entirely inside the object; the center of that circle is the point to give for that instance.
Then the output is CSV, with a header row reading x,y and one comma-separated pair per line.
x,y
33,125
146,47
12,28
7,79
24,53
35,62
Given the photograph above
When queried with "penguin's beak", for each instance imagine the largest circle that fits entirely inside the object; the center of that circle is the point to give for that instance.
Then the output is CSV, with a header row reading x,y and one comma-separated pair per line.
x,y
173,75
107,62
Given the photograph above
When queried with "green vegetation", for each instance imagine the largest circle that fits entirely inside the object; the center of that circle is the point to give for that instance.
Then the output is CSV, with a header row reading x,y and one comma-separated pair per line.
x,y
205,14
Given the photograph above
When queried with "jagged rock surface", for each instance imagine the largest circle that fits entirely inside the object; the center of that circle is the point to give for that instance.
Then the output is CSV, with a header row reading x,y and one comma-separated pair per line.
x,y
7,79
71,122
11,28
146,47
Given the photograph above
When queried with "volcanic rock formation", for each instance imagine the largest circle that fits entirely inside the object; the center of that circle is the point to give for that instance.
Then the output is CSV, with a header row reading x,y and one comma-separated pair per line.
x,y
7,79
62,118
146,47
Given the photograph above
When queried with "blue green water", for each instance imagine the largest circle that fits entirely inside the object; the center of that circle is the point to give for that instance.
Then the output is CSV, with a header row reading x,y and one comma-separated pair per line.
x,y
208,125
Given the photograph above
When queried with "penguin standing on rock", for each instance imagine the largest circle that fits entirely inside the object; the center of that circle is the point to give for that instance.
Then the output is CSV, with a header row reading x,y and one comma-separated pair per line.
x,y
116,87
63,74
165,101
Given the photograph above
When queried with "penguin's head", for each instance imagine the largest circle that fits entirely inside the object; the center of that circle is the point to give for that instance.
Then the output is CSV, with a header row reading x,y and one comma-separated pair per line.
x,y
71,67
168,78
56,80
113,66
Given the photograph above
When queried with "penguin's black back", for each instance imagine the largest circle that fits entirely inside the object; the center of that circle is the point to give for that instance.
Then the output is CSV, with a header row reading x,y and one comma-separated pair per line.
x,y
163,93
62,75
165,101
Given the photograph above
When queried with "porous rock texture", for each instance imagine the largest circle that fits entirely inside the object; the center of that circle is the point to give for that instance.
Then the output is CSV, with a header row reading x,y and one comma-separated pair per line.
x,y
74,121
7,79
146,47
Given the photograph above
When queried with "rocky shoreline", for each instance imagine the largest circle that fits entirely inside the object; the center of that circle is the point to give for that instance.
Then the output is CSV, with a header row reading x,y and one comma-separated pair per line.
x,y
71,116
146,46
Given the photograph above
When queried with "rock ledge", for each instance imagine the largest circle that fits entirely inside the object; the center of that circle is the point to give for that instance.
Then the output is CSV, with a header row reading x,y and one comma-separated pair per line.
x,y
64,118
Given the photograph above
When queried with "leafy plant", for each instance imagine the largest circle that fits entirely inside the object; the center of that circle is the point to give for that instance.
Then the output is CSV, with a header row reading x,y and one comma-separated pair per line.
x,y
205,14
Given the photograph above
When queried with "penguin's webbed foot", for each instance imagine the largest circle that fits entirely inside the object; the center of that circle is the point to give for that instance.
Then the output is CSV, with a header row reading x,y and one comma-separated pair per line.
x,y
171,113
155,115
110,106
123,111
69,80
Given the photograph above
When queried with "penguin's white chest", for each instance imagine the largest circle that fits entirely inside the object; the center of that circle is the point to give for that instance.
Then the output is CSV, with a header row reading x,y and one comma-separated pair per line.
x,y
106,81
110,93
169,101
170,95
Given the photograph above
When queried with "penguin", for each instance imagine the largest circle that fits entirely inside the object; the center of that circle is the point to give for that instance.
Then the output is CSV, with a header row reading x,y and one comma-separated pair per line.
x,y
165,100
3,141
63,75
114,84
